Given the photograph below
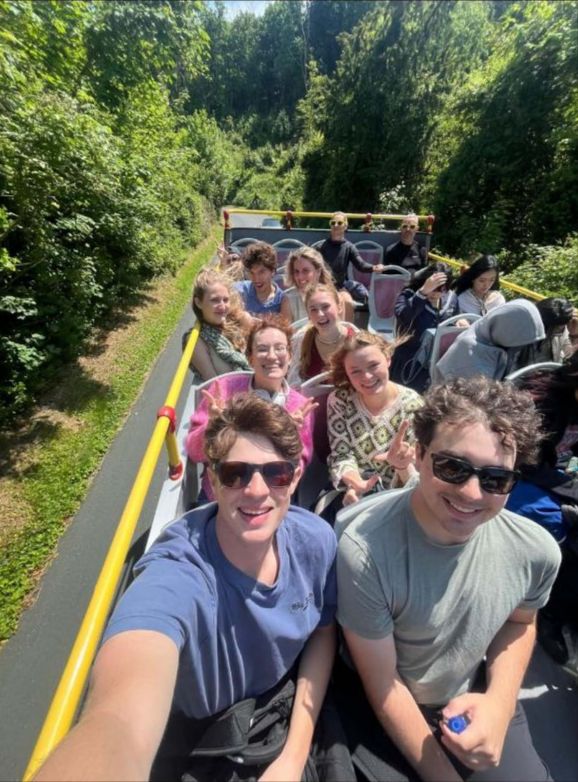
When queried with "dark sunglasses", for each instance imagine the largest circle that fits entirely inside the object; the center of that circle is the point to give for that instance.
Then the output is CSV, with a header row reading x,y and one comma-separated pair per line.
x,y
238,475
494,480
336,222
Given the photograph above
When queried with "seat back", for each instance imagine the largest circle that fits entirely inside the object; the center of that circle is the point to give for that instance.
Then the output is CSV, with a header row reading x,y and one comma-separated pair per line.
x,y
383,292
319,389
283,249
372,253
521,376
445,334
241,244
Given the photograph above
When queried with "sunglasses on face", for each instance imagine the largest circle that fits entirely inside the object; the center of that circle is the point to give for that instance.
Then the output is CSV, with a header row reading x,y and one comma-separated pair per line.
x,y
409,226
238,475
493,480
333,223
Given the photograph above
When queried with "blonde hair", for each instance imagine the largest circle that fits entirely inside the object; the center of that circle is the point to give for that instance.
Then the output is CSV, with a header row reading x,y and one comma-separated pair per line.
x,y
340,214
309,336
315,259
233,329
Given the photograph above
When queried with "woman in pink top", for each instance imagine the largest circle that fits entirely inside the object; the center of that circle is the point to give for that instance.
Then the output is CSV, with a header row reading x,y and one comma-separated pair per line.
x,y
269,354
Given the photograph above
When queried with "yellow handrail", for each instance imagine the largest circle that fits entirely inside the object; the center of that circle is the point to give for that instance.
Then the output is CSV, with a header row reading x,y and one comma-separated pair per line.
x,y
352,215
503,283
72,682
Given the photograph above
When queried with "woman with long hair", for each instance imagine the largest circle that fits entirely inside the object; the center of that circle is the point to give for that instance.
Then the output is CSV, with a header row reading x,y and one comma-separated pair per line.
x,y
224,325
306,267
423,305
477,288
368,418
268,354
326,332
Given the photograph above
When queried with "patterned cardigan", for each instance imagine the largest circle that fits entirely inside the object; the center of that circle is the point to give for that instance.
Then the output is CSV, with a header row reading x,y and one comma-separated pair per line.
x,y
356,436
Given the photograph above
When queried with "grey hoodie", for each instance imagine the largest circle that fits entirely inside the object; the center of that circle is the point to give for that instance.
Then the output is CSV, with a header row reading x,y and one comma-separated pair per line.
x,y
490,346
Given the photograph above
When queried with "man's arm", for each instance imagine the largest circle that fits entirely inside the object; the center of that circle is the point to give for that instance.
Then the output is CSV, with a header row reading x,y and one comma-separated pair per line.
x,y
121,727
358,261
490,713
314,671
396,708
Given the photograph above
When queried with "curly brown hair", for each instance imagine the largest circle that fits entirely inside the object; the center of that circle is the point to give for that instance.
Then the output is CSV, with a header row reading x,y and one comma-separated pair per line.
x,y
260,253
360,339
249,414
269,321
502,407
233,329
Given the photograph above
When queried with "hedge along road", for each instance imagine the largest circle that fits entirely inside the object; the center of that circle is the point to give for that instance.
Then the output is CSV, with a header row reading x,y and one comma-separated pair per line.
x,y
31,662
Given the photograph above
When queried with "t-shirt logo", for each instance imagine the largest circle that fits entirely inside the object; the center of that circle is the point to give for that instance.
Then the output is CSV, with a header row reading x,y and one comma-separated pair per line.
x,y
304,605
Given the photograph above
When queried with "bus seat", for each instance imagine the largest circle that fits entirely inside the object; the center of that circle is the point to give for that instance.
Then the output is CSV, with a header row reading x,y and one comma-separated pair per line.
x,y
383,292
521,376
445,334
283,249
317,388
371,252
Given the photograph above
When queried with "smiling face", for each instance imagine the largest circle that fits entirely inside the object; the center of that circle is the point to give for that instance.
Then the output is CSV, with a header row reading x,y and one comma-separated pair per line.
x,y
215,304
304,273
249,517
270,358
323,311
482,284
261,277
338,226
367,369
451,513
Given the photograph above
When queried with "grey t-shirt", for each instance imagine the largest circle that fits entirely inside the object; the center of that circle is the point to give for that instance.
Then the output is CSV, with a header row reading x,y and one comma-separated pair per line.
x,y
443,603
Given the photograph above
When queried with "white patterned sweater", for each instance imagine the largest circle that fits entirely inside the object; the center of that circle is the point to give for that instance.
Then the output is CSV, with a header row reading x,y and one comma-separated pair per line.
x,y
356,436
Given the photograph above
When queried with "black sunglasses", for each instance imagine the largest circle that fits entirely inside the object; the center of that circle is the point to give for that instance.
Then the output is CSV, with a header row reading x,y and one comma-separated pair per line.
x,y
333,223
494,480
238,475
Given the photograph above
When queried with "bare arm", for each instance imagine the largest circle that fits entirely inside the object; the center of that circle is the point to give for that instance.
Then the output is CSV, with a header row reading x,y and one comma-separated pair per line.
x,y
201,361
490,713
396,708
121,727
314,671
286,311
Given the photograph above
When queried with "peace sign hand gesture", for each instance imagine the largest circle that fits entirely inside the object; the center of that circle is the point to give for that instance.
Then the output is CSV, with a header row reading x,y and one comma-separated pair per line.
x,y
215,402
400,454
300,414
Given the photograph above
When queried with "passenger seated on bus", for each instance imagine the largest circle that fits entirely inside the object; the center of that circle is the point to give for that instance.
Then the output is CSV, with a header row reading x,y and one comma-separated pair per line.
x,y
231,601
368,419
224,326
306,267
477,288
492,345
338,253
438,592
260,294
230,263
419,309
313,346
406,252
269,354
548,491
556,314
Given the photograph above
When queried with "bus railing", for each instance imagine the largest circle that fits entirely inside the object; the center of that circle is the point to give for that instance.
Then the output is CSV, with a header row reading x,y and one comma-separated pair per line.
x,y
289,215
503,283
65,702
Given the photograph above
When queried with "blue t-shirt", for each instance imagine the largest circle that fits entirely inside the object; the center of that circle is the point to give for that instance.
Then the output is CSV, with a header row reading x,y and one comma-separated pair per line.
x,y
237,637
252,303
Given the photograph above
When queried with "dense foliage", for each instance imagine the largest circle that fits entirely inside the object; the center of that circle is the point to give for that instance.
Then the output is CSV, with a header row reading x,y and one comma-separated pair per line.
x,y
126,123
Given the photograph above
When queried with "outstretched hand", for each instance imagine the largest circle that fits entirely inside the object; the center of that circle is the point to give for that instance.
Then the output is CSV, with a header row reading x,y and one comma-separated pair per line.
x,y
400,454
215,402
300,414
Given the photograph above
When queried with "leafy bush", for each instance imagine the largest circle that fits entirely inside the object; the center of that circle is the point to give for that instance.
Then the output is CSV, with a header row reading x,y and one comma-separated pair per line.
x,y
550,270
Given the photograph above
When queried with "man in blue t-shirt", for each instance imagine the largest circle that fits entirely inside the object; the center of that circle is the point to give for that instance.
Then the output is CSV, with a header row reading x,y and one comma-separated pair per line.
x,y
224,605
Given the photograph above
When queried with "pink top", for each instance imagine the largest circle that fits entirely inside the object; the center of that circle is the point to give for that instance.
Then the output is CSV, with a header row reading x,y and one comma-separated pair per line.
x,y
228,387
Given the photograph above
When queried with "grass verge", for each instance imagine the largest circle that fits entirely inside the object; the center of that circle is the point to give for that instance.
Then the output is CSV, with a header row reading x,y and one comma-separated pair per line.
x,y
50,477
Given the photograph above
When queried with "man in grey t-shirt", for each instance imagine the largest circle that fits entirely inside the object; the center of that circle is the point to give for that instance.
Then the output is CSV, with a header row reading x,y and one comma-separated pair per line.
x,y
434,578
